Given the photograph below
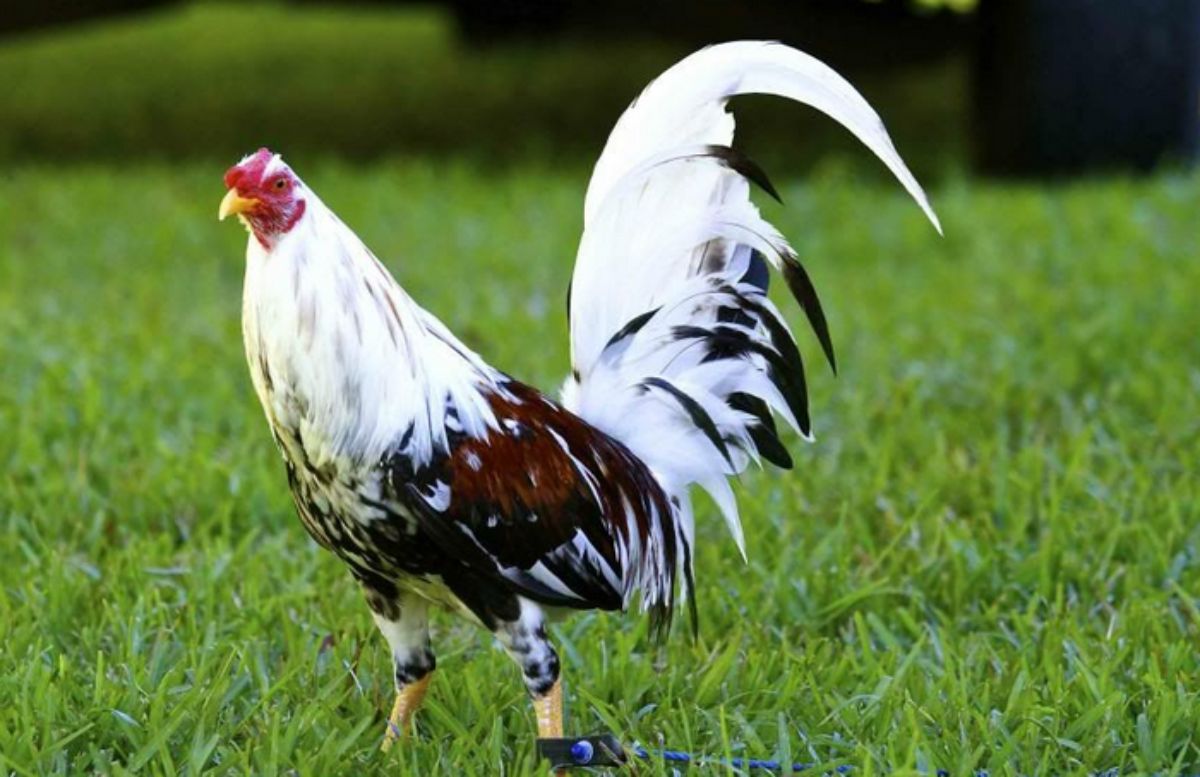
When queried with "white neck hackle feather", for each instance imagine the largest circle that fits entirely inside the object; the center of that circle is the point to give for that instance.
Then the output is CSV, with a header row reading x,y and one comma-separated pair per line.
x,y
342,356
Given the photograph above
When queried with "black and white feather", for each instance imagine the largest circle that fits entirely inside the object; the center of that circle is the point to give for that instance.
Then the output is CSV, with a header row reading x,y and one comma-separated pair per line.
x,y
676,349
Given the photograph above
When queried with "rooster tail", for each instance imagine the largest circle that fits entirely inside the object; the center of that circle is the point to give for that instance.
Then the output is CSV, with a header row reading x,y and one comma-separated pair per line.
x,y
676,350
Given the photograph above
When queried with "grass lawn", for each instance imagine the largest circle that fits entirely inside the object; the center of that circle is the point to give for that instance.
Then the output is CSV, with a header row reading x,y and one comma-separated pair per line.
x,y
989,559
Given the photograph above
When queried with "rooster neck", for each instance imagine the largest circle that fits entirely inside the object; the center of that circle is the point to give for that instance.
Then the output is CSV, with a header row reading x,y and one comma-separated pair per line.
x,y
345,364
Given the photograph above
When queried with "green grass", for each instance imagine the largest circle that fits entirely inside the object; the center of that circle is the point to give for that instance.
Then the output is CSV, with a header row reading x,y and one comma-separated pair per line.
x,y
990,558
216,80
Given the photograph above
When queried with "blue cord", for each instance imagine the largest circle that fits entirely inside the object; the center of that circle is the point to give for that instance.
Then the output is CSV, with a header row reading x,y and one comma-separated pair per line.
x,y
605,750
678,756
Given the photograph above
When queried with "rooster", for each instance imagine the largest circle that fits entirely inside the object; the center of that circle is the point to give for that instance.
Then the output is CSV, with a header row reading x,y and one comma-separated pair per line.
x,y
442,482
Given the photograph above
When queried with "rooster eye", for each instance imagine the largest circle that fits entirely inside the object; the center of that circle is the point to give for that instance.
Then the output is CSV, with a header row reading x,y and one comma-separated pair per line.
x,y
280,183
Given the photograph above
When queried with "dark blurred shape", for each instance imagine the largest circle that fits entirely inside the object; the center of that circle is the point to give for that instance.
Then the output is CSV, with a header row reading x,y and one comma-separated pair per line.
x,y
1059,86
1065,86
383,78
855,33
19,16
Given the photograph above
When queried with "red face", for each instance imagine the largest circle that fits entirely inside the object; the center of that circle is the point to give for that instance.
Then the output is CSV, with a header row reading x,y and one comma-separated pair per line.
x,y
263,191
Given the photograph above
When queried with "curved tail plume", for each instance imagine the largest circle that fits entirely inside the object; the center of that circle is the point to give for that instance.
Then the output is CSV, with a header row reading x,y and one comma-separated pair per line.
x,y
676,350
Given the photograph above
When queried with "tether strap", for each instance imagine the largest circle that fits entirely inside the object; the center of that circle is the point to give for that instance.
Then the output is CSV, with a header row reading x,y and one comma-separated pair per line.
x,y
598,750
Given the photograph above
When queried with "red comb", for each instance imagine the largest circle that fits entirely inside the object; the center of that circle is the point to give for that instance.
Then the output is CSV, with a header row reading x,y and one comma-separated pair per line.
x,y
249,169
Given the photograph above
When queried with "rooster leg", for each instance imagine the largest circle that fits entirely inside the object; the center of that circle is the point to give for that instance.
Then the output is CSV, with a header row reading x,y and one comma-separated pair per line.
x,y
526,641
549,711
404,622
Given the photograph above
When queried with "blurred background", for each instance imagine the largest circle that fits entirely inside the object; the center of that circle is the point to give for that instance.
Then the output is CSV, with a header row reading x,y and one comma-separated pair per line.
x,y
1027,87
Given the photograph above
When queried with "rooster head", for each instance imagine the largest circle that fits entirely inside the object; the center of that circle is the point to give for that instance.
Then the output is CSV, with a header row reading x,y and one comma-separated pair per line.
x,y
265,194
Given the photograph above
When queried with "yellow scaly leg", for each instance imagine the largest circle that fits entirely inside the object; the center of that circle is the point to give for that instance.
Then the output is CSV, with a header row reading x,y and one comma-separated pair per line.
x,y
408,699
549,712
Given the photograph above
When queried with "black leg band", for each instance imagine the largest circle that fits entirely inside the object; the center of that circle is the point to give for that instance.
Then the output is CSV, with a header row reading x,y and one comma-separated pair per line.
x,y
597,750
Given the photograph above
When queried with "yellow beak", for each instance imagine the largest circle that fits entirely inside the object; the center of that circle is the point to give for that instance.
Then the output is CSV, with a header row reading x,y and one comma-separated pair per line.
x,y
234,203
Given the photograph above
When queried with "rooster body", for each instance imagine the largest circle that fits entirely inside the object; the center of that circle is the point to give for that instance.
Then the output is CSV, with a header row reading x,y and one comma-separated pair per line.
x,y
440,480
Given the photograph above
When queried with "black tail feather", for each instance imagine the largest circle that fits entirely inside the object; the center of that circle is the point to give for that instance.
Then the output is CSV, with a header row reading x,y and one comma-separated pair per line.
x,y
805,293
744,166
698,414
725,342
764,434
